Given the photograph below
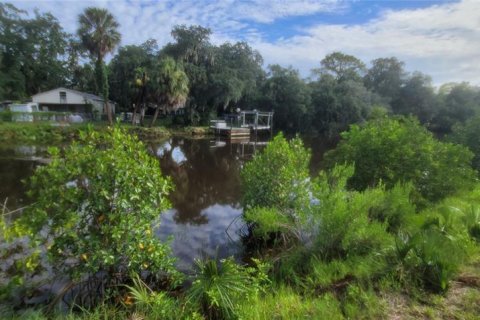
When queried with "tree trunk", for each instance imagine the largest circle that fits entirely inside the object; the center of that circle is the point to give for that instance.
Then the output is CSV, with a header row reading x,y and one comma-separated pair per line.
x,y
109,112
134,116
140,100
101,83
155,116
142,115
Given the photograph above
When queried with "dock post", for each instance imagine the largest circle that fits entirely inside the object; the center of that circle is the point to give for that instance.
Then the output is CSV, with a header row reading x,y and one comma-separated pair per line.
x,y
270,116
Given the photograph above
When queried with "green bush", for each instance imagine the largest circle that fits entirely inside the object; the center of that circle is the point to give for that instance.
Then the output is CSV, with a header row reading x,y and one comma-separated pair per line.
x,y
432,246
95,206
220,287
395,207
389,151
151,304
472,222
276,190
343,225
467,206
277,177
6,116
267,221
348,240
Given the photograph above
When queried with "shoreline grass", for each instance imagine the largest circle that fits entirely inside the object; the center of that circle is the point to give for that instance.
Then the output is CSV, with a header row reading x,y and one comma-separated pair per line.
x,y
48,133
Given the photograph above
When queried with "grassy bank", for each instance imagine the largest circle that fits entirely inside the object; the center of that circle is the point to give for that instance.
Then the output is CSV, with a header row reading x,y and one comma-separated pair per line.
x,y
281,301
45,133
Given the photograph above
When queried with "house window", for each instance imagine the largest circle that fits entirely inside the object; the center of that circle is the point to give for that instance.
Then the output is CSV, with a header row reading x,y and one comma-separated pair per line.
x,y
63,97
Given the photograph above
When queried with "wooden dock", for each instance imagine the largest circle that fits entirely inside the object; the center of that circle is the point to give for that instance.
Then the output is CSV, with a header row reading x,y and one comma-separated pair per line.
x,y
232,132
244,123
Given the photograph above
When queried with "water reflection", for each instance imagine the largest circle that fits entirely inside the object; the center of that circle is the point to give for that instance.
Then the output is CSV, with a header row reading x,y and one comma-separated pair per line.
x,y
207,196
205,173
217,238
16,164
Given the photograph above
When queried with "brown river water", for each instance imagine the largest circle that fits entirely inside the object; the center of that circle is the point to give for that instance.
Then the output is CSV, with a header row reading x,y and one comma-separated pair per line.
x,y
204,220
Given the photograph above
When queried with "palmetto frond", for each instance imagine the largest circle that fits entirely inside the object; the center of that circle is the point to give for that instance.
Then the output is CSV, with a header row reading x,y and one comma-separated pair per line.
x,y
98,31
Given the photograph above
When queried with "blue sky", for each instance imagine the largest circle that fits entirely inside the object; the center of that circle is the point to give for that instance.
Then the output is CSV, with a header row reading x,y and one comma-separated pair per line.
x,y
440,38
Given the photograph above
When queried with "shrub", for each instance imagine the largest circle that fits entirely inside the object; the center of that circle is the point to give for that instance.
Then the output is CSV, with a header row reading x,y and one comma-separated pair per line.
x,y
276,187
390,151
395,207
344,243
220,287
432,247
343,222
471,219
95,207
347,240
268,222
155,305
277,177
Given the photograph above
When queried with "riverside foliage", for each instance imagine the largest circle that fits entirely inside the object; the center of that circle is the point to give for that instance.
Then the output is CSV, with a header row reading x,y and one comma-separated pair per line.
x,y
389,151
95,206
329,250
350,241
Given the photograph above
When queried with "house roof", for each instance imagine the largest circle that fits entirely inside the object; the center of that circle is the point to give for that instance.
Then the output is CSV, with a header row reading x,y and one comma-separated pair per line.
x,y
85,95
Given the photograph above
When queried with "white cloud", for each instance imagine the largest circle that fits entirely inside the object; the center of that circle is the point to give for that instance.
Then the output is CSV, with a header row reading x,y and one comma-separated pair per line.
x,y
440,40
268,11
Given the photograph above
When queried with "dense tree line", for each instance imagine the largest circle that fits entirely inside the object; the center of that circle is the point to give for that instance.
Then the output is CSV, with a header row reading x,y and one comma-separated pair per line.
x,y
37,55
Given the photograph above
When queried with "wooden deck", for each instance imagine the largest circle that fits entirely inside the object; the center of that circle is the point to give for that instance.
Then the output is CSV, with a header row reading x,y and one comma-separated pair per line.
x,y
232,132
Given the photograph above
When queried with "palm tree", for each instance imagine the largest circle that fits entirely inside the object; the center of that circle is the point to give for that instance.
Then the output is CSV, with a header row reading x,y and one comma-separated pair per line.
x,y
170,86
98,34
141,82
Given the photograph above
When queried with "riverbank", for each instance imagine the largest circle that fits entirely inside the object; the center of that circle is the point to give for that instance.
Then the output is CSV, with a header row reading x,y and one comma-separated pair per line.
x,y
46,133
285,302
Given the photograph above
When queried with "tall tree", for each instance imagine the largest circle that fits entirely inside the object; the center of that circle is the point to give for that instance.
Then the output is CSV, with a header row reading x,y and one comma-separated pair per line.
x,y
416,97
386,77
289,97
337,104
193,48
32,53
98,33
124,72
235,76
341,66
458,102
192,44
170,83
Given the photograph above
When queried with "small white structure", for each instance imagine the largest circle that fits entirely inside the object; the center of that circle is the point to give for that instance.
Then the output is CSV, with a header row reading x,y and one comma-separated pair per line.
x,y
25,107
23,112
68,100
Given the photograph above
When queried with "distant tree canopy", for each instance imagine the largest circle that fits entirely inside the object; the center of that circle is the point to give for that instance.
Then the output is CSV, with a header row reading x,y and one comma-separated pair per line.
x,y
386,77
34,54
37,55
288,96
342,67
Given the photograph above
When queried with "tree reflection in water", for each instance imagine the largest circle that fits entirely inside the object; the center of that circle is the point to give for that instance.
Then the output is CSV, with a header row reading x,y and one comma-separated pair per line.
x,y
206,199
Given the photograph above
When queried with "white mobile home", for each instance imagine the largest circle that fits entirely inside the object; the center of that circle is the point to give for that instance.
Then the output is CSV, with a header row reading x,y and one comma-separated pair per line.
x,y
68,100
